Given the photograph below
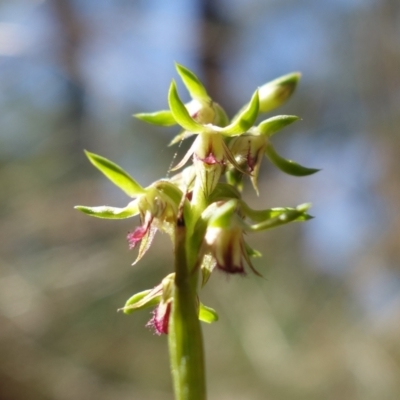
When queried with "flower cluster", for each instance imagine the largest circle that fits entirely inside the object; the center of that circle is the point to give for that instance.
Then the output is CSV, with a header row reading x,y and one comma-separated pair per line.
x,y
208,192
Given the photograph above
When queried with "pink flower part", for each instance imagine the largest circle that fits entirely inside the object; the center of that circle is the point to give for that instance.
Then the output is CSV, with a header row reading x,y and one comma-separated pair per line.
x,y
210,159
160,318
251,161
232,268
138,234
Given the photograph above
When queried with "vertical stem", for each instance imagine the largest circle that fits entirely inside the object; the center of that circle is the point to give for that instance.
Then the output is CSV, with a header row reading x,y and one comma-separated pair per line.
x,y
184,331
199,201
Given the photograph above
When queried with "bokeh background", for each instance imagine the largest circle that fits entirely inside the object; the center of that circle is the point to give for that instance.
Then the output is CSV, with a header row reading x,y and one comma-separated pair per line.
x,y
325,324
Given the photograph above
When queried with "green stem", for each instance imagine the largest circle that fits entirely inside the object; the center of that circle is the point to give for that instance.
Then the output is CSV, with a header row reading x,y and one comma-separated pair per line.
x,y
184,331
199,200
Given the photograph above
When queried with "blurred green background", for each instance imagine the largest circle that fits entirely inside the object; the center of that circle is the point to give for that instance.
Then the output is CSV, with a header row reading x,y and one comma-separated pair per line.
x,y
325,324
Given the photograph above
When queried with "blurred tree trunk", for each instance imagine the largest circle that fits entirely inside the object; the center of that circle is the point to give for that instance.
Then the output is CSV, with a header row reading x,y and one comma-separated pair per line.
x,y
71,36
215,32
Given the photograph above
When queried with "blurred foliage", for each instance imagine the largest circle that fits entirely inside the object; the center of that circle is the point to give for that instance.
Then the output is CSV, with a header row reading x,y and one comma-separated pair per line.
x,y
325,322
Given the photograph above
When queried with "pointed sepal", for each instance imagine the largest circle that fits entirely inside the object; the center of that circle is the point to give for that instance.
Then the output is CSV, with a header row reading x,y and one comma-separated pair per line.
x,y
192,83
244,120
259,216
180,113
162,118
116,174
272,125
141,300
107,212
283,218
288,166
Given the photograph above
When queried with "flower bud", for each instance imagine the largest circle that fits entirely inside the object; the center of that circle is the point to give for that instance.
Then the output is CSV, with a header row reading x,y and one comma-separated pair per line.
x,y
273,94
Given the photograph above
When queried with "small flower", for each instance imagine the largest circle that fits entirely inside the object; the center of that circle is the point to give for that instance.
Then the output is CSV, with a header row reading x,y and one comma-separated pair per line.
x,y
226,222
157,212
160,319
224,238
228,248
210,155
208,120
160,296
209,150
248,151
157,204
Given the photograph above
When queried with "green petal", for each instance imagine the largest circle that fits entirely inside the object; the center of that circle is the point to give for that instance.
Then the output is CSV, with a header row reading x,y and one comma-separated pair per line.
x,y
263,215
116,174
110,212
288,166
180,113
192,83
245,119
163,118
281,219
141,300
207,314
274,124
